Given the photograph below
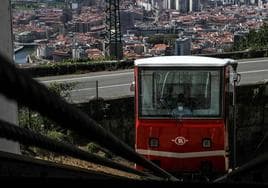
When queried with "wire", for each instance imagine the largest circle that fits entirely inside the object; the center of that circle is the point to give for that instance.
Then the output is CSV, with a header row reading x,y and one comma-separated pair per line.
x,y
18,85
258,162
28,137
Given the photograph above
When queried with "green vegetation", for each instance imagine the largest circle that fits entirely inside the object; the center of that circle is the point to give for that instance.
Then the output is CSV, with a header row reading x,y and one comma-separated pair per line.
x,y
37,123
34,121
60,5
70,67
92,148
26,6
62,89
162,39
95,148
37,5
76,62
254,40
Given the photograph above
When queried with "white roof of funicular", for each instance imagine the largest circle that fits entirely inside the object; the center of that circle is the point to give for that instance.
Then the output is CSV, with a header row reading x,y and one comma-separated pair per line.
x,y
182,61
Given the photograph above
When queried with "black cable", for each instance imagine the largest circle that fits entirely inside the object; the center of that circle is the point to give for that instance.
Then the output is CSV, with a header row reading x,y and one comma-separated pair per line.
x,y
28,137
258,162
19,86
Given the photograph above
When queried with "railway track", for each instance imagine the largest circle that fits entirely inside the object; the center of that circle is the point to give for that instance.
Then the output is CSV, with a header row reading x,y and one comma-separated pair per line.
x,y
17,85
19,166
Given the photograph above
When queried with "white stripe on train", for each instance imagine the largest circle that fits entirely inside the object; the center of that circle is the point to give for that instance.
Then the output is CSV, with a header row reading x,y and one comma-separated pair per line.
x,y
181,155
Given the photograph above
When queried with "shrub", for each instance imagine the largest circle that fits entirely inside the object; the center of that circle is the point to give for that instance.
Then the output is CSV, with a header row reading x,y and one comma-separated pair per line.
x,y
56,135
92,148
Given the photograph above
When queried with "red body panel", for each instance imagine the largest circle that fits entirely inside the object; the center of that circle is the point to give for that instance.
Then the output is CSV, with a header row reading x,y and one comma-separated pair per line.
x,y
187,154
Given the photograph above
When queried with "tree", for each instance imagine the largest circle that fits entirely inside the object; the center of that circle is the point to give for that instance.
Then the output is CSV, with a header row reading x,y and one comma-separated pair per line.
x,y
162,39
254,40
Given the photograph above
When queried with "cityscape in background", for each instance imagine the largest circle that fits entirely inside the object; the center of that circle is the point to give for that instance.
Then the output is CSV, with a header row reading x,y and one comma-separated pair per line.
x,y
60,30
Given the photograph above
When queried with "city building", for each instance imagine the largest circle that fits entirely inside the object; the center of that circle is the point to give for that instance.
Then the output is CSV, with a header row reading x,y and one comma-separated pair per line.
x,y
44,51
158,49
183,46
59,55
127,20
194,5
94,53
25,37
78,53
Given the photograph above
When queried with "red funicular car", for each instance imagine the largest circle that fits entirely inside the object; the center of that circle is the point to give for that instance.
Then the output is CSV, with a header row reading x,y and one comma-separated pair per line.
x,y
182,112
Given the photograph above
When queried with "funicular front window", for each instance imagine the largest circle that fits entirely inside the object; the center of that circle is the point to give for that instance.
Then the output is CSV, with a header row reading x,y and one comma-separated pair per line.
x,y
171,93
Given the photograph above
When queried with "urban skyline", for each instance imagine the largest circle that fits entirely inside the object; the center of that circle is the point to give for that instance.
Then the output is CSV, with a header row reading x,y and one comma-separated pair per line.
x,y
77,30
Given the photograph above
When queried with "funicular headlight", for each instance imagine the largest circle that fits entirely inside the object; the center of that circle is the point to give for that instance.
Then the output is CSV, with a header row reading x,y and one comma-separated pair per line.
x,y
206,143
153,142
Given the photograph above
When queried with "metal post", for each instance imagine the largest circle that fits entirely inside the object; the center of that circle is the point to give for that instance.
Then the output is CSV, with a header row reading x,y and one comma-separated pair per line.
x,y
29,118
235,80
234,125
8,109
113,41
97,90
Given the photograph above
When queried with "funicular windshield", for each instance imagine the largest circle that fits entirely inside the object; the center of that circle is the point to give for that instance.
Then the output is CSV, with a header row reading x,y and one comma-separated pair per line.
x,y
171,93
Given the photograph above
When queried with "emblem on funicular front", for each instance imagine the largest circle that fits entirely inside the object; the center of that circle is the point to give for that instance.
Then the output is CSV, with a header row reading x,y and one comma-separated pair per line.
x,y
180,140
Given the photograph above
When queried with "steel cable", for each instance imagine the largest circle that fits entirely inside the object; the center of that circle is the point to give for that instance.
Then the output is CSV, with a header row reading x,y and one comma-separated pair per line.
x,y
28,137
18,85
258,162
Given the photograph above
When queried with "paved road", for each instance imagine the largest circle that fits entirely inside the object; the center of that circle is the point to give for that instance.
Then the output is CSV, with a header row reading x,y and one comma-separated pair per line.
x,y
117,83
253,70
111,84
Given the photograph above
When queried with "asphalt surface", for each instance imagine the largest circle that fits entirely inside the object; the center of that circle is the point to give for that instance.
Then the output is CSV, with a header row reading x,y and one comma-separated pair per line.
x,y
113,84
253,70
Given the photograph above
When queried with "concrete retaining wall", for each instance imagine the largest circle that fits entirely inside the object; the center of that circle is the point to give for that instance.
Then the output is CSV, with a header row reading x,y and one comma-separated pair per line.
x,y
117,116
252,120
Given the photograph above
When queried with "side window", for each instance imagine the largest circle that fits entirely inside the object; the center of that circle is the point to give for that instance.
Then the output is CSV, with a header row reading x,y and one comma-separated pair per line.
x,y
146,87
230,84
201,90
206,89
